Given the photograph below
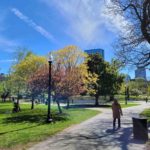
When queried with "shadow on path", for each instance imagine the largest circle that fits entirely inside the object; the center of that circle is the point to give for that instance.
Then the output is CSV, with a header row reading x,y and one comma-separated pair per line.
x,y
94,140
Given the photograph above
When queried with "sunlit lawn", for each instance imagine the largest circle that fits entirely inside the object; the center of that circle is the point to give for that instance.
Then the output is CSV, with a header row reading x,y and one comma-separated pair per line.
x,y
19,129
123,105
146,113
129,105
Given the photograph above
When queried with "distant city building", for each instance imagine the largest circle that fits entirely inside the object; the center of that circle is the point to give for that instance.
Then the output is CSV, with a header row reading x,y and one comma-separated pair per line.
x,y
140,73
127,78
94,51
2,76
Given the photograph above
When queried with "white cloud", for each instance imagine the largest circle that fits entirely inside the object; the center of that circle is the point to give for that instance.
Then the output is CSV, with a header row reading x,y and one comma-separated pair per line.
x,y
113,20
82,19
31,23
87,19
8,45
8,60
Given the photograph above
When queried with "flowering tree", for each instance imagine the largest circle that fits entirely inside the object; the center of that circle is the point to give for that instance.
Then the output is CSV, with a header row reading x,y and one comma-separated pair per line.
x,y
69,75
23,71
76,77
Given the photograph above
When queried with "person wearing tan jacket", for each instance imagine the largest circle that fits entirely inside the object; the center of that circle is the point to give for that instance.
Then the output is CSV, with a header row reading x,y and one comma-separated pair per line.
x,y
117,112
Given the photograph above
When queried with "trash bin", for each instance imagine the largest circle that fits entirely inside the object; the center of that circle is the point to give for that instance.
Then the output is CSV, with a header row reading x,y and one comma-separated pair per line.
x,y
140,129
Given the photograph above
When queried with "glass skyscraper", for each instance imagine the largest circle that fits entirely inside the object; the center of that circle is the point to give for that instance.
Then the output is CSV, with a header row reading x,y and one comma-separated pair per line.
x,y
140,73
94,51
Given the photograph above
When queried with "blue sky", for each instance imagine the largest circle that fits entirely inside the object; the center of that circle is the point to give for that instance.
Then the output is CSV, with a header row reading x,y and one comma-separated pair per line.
x,y
45,25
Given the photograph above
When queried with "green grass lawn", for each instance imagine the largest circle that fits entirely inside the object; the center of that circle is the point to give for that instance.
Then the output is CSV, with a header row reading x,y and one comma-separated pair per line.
x,y
128,105
18,130
146,113
123,105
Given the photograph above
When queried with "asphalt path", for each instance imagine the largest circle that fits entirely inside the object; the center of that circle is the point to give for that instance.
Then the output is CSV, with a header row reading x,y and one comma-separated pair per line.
x,y
97,133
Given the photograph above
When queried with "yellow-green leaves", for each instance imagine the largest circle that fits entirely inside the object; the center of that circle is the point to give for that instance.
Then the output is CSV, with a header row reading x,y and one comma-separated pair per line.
x,y
70,56
29,66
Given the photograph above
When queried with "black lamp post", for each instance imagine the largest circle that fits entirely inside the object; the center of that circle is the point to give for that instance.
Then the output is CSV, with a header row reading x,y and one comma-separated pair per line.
x,y
49,119
126,94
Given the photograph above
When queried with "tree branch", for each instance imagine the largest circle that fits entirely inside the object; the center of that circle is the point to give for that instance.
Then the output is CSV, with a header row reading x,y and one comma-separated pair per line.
x,y
135,9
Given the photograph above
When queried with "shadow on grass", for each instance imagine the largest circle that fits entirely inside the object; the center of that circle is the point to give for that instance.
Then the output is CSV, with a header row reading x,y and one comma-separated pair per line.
x,y
27,118
34,118
39,119
5,111
2,133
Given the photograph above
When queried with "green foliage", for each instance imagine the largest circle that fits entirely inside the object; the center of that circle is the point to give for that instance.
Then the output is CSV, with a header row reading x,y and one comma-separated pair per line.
x,y
70,75
146,113
109,80
135,92
5,86
21,53
27,65
148,90
138,85
70,56
114,78
1,87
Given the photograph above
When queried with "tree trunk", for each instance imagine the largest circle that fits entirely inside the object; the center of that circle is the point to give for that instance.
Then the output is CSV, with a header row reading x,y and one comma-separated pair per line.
x,y
105,98
96,100
18,105
111,98
4,99
72,101
68,103
145,23
32,104
59,108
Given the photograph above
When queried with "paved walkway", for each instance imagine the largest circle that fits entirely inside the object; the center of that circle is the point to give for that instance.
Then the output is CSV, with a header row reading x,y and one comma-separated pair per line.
x,y
97,134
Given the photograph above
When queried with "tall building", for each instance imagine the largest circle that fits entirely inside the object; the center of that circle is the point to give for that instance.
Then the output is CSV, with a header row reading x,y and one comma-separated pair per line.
x,y
127,78
140,73
2,76
94,51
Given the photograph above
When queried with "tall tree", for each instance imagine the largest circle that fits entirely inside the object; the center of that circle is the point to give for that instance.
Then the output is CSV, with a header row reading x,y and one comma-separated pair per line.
x,y
23,70
69,75
138,85
5,90
37,83
114,79
108,81
133,46
69,59
97,65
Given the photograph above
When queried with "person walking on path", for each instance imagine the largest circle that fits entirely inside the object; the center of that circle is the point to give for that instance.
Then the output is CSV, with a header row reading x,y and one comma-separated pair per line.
x,y
117,112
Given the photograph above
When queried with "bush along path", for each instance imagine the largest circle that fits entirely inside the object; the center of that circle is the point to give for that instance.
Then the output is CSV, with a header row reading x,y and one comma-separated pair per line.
x,y
97,133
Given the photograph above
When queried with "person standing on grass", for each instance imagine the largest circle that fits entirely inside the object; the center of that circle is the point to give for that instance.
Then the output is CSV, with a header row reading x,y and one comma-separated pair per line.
x,y
117,112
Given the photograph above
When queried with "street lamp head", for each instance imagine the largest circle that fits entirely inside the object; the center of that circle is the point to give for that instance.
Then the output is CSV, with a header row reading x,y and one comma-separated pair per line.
x,y
50,57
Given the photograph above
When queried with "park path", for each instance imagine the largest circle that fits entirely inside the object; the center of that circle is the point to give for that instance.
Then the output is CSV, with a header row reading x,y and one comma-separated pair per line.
x,y
97,134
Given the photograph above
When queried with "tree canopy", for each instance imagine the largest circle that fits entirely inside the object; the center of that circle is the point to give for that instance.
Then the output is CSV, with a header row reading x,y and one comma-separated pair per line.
x,y
133,46
109,80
